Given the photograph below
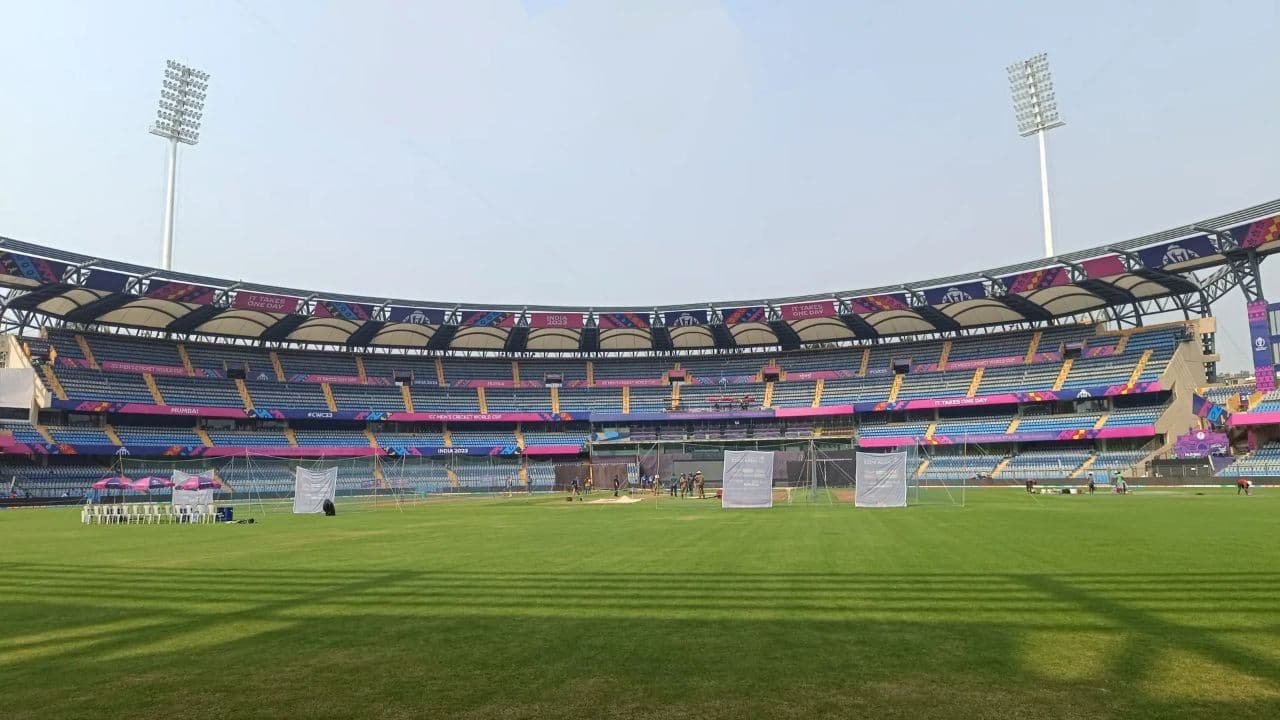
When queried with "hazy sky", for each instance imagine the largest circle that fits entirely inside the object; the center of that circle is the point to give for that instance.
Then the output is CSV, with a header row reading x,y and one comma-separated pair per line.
x,y
641,152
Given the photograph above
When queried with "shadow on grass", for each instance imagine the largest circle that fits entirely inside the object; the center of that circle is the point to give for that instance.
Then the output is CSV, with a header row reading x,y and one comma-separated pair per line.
x,y
236,642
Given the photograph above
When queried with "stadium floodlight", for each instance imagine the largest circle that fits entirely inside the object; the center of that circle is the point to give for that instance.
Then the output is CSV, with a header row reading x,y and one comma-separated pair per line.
x,y
1036,110
178,120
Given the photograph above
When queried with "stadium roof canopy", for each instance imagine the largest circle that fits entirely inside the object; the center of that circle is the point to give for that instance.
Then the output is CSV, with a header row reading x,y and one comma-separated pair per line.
x,y
1182,269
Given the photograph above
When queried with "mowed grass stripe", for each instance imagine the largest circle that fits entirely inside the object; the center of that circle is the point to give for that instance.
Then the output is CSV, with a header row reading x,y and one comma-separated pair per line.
x,y
1013,606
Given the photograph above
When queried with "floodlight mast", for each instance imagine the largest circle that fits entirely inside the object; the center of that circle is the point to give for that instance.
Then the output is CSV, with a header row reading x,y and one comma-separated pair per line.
x,y
178,121
1036,110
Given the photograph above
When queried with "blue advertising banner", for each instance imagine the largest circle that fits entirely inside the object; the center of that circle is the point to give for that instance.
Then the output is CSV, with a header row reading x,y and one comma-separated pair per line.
x,y
32,268
684,318
1176,253
1264,373
106,280
416,316
750,314
955,293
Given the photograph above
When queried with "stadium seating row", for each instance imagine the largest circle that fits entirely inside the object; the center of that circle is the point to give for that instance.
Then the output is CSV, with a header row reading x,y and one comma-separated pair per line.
x,y
261,363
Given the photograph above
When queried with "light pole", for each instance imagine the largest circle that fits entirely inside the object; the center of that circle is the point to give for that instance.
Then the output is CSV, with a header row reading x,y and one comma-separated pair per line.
x,y
178,121
1037,113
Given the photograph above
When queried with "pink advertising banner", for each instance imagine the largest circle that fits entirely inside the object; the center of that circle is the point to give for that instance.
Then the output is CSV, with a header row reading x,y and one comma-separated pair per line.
x,y
815,375
265,302
568,321
331,379
535,450
129,367
480,383
814,412
1003,361
1137,431
633,382
308,451
476,417
806,310
1256,418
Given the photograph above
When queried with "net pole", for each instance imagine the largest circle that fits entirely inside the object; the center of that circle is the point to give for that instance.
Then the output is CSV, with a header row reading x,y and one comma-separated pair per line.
x,y
813,472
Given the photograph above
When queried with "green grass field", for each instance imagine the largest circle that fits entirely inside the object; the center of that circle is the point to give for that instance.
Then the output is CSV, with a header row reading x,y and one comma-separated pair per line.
x,y
1159,605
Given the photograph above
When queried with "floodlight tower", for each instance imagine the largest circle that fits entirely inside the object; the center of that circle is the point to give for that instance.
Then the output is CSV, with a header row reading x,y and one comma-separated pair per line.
x,y
178,121
1037,113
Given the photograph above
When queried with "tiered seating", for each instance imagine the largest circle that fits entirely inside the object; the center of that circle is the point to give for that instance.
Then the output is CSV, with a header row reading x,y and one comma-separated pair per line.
x,y
646,368
64,342
961,427
697,397
996,346
263,437
1018,378
113,387
1270,403
388,439
121,348
1056,423
331,438
430,399
384,398
791,394
200,392
569,437
487,476
259,476
79,435
23,433
542,477
1263,462
569,370
217,357
54,480
843,359
716,367
880,429
849,391
1133,417
522,400
945,466
1044,464
476,369
1222,393
882,356
931,385
1112,460
580,400
318,363
482,438
385,366
304,396
650,399
132,435
416,476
